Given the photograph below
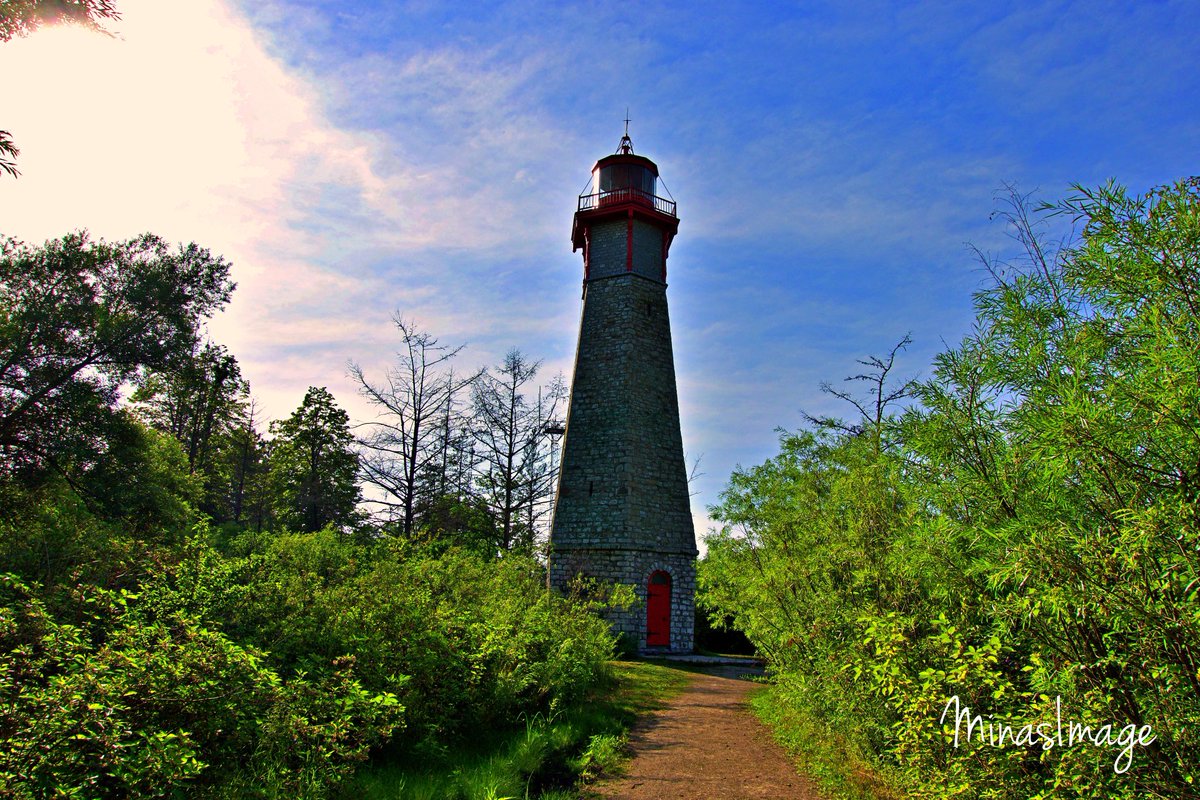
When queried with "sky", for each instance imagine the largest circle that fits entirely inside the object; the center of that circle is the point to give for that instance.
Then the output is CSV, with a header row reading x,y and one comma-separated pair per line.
x,y
833,164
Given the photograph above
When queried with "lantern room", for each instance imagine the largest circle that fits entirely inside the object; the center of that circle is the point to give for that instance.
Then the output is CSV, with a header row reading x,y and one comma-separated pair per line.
x,y
621,223
625,178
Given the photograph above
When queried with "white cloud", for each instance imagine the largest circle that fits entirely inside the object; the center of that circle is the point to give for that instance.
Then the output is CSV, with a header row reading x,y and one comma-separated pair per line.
x,y
181,124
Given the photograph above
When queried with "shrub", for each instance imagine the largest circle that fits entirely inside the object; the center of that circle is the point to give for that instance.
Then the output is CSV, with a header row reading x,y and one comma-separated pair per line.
x,y
1029,533
127,705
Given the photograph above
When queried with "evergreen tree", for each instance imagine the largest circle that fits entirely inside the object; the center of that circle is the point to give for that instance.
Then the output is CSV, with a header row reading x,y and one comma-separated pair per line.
x,y
314,468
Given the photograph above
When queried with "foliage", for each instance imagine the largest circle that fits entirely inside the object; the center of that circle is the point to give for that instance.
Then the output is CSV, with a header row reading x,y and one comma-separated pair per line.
x,y
97,527
457,637
457,521
314,468
124,701
237,482
1029,533
270,667
77,320
144,652
548,756
143,479
201,399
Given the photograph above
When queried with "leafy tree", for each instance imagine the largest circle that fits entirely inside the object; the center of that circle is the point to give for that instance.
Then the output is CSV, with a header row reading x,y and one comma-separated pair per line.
x,y
1030,533
143,481
201,400
1069,423
314,468
198,399
77,320
132,506
404,447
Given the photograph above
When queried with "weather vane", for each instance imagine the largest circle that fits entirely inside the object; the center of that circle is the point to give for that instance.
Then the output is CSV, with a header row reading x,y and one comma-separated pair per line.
x,y
626,145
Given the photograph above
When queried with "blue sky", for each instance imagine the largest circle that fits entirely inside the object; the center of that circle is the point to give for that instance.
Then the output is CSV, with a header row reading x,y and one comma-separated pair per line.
x,y
830,161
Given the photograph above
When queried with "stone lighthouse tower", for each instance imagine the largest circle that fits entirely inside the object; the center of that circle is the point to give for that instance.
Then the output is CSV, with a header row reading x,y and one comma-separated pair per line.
x,y
622,511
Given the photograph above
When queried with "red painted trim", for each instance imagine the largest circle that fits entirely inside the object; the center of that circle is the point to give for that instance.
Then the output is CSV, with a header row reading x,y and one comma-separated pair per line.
x,y
587,253
629,243
665,244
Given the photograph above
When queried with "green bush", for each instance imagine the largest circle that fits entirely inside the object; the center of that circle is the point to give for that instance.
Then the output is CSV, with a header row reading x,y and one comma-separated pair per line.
x,y
463,640
128,705
273,669
1028,532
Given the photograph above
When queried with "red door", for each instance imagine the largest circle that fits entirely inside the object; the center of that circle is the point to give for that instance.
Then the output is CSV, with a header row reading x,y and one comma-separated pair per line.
x,y
658,610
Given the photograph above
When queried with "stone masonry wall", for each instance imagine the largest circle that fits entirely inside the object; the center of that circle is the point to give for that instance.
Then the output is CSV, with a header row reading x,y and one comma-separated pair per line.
x,y
608,251
623,481
647,250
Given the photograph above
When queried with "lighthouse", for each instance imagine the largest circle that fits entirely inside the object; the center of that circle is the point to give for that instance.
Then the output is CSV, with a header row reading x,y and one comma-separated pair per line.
x,y
621,513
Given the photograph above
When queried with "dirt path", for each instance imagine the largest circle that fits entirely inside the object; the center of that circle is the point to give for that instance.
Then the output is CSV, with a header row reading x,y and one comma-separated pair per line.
x,y
707,746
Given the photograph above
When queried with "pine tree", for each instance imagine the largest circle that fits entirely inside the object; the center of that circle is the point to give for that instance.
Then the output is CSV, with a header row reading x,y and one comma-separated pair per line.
x,y
314,467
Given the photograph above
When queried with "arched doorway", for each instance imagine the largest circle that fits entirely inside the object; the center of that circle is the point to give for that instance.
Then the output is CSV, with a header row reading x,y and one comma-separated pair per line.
x,y
658,610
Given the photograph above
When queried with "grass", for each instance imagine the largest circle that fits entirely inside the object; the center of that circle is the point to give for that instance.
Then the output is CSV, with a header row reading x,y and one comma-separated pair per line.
x,y
834,763
544,756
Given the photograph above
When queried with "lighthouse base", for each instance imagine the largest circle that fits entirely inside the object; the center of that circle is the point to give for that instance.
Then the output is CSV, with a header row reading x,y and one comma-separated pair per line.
x,y
662,620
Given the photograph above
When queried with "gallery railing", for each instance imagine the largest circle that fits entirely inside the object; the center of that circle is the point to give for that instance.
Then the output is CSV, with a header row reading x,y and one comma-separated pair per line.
x,y
588,202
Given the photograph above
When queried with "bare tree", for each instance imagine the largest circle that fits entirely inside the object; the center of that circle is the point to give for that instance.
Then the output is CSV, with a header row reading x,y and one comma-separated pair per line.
x,y
452,473
411,438
515,470
874,409
543,477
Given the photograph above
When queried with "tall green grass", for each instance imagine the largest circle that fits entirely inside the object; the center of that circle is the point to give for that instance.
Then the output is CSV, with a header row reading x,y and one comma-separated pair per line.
x,y
838,765
545,756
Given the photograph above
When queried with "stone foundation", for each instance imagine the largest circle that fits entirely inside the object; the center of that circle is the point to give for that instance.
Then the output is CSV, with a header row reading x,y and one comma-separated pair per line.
x,y
634,567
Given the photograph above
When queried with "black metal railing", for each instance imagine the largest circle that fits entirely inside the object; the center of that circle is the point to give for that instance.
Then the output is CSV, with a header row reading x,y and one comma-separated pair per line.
x,y
588,202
